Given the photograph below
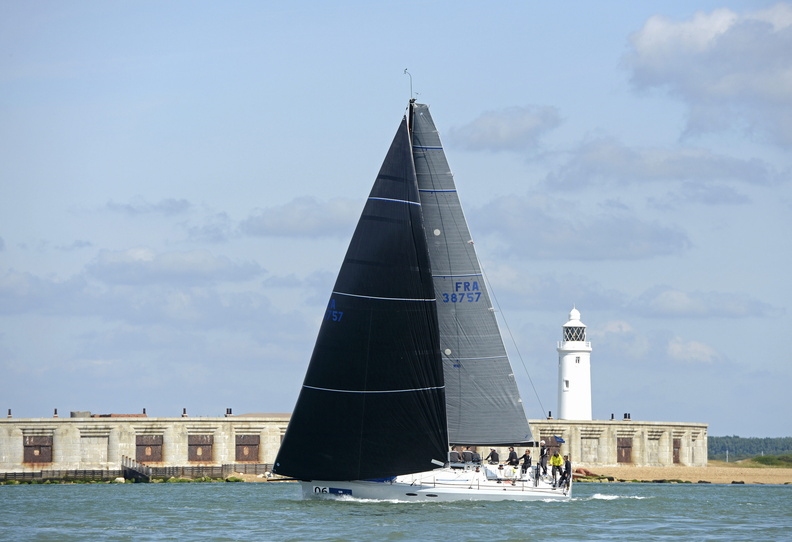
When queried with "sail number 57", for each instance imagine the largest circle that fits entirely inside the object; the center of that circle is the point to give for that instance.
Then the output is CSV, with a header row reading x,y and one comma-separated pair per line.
x,y
470,297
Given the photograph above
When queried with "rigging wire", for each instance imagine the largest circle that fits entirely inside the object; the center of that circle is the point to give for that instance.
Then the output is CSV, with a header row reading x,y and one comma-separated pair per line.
x,y
511,335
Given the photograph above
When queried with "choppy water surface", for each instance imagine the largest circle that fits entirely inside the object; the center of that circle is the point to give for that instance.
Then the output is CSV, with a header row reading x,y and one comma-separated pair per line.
x,y
274,511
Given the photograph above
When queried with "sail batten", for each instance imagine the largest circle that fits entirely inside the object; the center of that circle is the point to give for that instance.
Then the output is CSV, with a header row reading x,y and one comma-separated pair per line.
x,y
375,391
429,300
397,201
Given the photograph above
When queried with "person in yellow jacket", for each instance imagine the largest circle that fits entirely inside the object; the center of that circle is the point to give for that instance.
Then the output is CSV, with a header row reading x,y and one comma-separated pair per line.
x,y
556,462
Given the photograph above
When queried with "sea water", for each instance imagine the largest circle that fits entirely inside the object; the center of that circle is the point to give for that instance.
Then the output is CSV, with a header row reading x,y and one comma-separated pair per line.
x,y
275,511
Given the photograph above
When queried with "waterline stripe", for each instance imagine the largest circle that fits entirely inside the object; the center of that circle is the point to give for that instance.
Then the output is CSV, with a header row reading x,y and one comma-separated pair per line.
x,y
375,391
384,298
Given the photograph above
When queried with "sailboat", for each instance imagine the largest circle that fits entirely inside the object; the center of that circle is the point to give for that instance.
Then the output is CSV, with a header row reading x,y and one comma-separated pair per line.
x,y
409,359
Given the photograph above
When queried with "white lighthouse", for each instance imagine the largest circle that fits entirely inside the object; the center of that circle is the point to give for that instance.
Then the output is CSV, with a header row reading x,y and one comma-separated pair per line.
x,y
574,371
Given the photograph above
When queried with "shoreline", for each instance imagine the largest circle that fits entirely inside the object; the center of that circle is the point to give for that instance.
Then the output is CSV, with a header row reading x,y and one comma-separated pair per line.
x,y
706,475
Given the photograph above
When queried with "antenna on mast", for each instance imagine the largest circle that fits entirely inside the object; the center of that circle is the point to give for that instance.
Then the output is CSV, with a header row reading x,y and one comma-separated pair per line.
x,y
412,96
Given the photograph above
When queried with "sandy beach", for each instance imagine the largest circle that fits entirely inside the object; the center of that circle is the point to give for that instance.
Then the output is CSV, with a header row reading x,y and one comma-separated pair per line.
x,y
717,473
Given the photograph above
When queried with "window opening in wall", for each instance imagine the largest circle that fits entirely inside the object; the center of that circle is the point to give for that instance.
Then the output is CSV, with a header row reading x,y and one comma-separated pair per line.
x,y
247,448
148,448
199,447
37,449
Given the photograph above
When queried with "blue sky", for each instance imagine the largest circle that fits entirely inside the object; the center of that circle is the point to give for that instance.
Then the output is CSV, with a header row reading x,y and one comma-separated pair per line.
x,y
179,180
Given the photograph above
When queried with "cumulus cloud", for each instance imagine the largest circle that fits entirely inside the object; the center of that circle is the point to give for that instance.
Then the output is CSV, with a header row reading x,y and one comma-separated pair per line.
x,y
139,206
75,245
732,70
304,217
217,228
144,266
517,289
23,292
664,301
681,350
615,337
539,232
510,129
606,160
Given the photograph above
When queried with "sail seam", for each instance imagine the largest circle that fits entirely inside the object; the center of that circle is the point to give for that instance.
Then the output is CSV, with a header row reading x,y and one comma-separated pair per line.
x,y
456,276
375,391
385,298
427,147
397,200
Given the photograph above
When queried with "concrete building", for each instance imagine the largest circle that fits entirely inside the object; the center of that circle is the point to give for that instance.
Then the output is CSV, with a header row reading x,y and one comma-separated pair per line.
x,y
624,442
86,442
63,445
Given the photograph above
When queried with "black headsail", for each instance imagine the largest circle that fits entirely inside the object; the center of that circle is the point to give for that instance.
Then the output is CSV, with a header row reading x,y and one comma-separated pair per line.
x,y
372,404
484,405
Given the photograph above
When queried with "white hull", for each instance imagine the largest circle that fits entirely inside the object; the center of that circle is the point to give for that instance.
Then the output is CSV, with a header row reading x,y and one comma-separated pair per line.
x,y
488,483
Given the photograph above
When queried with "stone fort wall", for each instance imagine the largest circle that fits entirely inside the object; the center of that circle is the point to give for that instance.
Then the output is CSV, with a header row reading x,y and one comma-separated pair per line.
x,y
29,444
35,444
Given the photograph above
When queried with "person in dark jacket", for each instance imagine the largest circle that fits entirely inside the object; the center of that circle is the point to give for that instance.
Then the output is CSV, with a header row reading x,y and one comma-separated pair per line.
x,y
543,457
526,459
453,455
512,460
477,458
493,457
467,455
566,475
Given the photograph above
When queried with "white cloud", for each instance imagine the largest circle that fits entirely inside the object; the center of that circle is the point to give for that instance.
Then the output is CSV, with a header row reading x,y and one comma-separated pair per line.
x,y
304,217
664,302
606,160
537,230
216,228
22,292
679,349
618,339
510,129
733,70
144,266
139,206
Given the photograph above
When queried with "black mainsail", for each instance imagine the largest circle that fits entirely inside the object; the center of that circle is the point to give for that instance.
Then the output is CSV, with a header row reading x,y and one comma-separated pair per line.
x,y
372,403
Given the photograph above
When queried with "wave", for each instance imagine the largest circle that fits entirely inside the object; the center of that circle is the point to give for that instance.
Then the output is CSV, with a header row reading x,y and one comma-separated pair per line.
x,y
602,497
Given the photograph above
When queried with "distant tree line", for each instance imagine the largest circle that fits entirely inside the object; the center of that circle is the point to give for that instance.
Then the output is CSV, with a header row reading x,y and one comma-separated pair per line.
x,y
743,448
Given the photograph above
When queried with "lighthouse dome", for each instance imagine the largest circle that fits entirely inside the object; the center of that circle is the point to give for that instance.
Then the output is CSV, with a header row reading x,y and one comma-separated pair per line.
x,y
574,319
